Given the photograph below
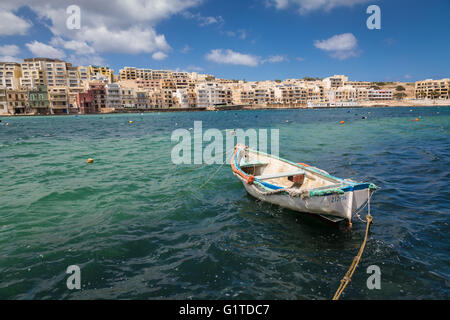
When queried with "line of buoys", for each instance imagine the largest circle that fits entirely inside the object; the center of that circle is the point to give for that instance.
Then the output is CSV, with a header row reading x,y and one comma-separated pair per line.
x,y
90,160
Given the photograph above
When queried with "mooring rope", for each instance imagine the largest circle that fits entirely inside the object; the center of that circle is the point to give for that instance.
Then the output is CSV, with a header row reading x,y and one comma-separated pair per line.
x,y
348,276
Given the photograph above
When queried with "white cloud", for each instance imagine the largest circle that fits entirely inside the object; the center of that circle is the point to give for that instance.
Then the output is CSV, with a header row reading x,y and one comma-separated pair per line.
x,y
80,47
341,46
300,59
231,57
203,21
9,50
306,6
240,33
186,49
10,59
275,59
40,49
10,24
159,55
84,60
134,40
115,26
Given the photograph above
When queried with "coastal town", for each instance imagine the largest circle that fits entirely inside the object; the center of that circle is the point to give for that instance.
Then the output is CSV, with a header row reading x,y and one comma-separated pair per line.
x,y
43,86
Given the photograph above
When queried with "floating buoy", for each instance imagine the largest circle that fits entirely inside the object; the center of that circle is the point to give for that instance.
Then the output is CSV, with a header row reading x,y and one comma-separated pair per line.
x,y
131,122
417,119
342,122
90,160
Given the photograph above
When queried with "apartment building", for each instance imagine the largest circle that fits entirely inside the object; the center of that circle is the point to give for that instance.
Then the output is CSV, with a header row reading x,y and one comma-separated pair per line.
x,y
73,102
98,89
128,73
73,78
291,95
161,74
17,101
335,81
432,89
147,83
59,100
83,73
243,96
357,84
186,98
39,100
3,101
127,97
342,94
210,94
56,73
85,102
380,95
95,73
362,94
113,95
142,101
180,75
10,73
316,94
155,98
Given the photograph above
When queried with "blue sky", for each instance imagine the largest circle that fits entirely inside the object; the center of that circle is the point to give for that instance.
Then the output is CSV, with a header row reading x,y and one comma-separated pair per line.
x,y
252,40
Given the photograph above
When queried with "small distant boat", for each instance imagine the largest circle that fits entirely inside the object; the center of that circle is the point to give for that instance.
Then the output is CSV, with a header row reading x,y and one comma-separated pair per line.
x,y
298,186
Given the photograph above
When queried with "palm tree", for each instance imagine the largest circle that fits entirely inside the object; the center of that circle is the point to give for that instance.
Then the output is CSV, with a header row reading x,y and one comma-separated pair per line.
x,y
435,94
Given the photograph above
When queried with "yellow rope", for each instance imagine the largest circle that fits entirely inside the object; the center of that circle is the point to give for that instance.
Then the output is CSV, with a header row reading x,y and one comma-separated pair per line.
x,y
348,276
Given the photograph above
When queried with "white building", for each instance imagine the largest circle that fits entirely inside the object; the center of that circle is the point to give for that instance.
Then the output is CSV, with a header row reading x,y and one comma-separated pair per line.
x,y
113,95
380,94
210,94
335,81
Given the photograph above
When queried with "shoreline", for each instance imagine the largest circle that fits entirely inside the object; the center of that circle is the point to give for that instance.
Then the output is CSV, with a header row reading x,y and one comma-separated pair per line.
x,y
241,108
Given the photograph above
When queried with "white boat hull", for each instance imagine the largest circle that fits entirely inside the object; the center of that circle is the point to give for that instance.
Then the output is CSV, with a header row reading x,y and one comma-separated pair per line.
x,y
337,205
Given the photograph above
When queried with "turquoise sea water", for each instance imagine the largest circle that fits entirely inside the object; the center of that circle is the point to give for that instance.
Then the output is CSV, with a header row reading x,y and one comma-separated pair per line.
x,y
139,226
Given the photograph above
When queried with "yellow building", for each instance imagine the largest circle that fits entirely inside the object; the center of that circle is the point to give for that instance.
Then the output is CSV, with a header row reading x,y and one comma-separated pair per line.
x,y
104,71
432,89
10,73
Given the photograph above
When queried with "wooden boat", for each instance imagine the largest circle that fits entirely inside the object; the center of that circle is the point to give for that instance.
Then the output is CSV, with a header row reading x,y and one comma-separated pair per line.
x,y
298,186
